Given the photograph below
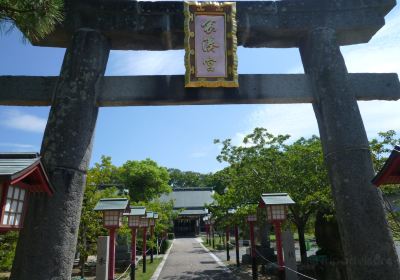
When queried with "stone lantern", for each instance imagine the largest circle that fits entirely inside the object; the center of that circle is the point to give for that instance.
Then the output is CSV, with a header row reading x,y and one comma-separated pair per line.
x,y
112,209
21,175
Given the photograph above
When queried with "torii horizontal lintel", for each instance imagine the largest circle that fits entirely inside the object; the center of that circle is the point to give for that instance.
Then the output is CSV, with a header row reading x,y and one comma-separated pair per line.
x,y
141,25
170,90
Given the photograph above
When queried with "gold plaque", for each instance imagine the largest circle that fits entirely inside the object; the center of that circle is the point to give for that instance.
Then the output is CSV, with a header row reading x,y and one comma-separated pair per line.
x,y
210,44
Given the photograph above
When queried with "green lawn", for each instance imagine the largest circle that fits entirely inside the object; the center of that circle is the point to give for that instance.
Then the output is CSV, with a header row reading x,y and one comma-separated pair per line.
x,y
150,268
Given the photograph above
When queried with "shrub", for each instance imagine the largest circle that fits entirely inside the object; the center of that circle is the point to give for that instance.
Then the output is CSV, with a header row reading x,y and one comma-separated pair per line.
x,y
171,236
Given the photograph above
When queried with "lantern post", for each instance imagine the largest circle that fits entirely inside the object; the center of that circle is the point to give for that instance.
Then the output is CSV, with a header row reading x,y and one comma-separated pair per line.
x,y
134,218
276,205
112,209
144,224
237,245
207,226
251,219
212,232
155,221
152,223
232,212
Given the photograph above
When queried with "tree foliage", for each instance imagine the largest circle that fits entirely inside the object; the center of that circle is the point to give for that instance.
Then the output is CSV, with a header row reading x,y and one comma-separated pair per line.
x,y
35,18
144,179
91,225
191,179
381,147
266,163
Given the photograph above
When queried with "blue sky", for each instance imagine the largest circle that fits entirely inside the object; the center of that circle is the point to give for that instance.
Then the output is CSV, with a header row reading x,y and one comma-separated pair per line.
x,y
182,136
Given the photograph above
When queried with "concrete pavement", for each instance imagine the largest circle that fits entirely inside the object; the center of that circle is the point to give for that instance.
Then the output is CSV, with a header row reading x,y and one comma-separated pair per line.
x,y
189,260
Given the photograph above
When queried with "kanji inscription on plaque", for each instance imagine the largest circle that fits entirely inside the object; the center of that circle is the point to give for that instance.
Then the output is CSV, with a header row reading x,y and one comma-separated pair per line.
x,y
210,44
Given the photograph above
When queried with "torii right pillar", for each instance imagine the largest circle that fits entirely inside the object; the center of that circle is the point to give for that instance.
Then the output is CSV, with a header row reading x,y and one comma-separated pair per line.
x,y
367,242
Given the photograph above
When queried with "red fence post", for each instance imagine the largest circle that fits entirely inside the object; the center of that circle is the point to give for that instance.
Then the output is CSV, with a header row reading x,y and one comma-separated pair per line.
x,y
111,265
253,252
227,238
133,254
237,245
144,248
152,244
278,235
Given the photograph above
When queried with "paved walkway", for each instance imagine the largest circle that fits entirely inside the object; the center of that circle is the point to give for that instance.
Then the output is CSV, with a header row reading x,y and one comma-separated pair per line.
x,y
189,260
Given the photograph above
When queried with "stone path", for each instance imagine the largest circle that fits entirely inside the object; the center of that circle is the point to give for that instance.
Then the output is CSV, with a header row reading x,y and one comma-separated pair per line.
x,y
189,260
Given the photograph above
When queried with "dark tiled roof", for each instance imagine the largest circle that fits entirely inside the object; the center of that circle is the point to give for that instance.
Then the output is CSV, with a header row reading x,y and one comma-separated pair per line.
x,y
112,204
149,215
13,165
189,198
137,211
276,198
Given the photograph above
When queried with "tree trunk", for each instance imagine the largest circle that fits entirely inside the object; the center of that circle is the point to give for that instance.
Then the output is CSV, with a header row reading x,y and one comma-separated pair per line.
x,y
302,242
48,241
367,243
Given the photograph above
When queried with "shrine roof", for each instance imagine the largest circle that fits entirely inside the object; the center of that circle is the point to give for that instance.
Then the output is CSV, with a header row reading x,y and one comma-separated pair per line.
x,y
118,204
189,198
141,25
390,172
276,199
13,165
25,168
149,215
136,211
193,212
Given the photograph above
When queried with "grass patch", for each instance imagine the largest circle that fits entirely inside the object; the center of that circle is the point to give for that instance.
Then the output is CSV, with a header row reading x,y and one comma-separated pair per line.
x,y
150,268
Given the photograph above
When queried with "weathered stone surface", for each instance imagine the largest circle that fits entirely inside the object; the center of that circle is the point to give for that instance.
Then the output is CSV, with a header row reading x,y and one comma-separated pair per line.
x,y
367,243
47,243
159,25
169,90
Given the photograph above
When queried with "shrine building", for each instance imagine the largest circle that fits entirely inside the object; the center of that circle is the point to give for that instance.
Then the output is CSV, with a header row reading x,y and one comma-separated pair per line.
x,y
191,205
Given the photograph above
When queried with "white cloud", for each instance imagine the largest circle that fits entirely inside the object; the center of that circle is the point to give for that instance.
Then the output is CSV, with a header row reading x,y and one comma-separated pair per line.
x,y
380,55
198,154
16,147
23,121
297,120
146,63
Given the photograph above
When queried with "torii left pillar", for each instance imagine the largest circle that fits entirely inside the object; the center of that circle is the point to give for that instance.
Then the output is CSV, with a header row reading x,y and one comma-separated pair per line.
x,y
47,243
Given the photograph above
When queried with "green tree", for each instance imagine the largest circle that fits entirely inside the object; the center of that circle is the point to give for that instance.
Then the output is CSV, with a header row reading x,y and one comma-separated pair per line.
x,y
191,179
35,19
8,243
91,225
265,163
381,147
144,179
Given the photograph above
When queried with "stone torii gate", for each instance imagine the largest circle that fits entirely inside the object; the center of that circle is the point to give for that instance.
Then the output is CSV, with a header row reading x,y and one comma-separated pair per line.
x,y
317,27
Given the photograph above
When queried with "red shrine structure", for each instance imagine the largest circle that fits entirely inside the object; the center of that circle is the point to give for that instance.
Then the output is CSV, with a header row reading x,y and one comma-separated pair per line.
x,y
21,175
390,172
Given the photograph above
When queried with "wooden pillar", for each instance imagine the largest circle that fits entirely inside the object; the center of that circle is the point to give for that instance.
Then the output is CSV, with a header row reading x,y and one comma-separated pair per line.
x,y
228,257
144,253
47,244
237,245
133,253
367,243
111,264
152,243
253,252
